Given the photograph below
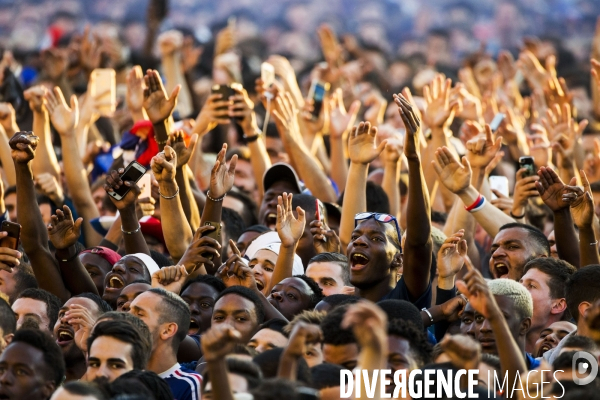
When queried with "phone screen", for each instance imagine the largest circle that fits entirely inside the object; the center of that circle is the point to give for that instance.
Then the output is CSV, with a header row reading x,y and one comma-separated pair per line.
x,y
319,94
133,174
498,118
527,163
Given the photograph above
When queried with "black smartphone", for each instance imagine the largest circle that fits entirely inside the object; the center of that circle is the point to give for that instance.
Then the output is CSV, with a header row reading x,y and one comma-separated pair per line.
x,y
527,163
14,233
215,234
133,173
225,92
317,92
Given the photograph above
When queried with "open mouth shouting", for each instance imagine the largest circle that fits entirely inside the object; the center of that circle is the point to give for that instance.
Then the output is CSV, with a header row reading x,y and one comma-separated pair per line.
x,y
358,261
114,281
260,285
500,270
194,326
64,336
271,220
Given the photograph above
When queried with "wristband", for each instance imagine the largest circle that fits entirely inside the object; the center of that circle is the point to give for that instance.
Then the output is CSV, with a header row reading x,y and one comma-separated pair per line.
x,y
428,313
517,216
70,258
168,197
212,199
594,244
479,206
477,203
252,139
132,232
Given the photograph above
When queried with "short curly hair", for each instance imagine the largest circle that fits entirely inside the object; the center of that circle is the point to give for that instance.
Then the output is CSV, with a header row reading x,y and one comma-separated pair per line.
x,y
317,295
419,345
53,357
333,333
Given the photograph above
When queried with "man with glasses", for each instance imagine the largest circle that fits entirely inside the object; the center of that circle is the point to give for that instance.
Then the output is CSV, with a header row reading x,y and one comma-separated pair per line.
x,y
374,250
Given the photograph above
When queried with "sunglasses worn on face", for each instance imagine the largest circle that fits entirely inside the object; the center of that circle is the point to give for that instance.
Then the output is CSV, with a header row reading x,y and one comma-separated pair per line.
x,y
385,218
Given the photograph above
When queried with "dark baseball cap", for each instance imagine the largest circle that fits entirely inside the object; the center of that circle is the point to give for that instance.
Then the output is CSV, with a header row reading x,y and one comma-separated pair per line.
x,y
282,172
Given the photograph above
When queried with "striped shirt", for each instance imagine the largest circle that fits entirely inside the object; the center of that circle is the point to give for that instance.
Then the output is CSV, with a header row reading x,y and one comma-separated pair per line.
x,y
184,383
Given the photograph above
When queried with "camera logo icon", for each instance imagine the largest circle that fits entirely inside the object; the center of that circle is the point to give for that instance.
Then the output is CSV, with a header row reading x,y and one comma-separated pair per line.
x,y
584,367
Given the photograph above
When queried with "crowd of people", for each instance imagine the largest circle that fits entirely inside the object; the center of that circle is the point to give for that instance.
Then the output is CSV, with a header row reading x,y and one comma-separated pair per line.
x,y
386,202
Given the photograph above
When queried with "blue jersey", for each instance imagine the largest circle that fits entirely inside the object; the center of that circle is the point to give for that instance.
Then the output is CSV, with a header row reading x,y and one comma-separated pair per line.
x,y
184,383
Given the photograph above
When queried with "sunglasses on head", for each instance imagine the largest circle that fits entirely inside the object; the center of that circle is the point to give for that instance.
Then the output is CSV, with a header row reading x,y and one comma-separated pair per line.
x,y
386,218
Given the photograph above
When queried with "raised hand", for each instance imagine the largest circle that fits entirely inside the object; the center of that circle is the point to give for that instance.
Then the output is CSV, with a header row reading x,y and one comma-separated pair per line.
x,y
451,258
463,351
536,75
303,334
82,321
202,251
289,228
242,108
362,147
8,118
157,103
63,118
176,141
235,271
169,42
35,96
214,112
135,89
439,112
9,258
285,118
477,292
63,232
221,176
340,120
452,309
90,51
471,109
552,189
170,278
452,174
582,203
325,240
482,149
525,188
113,181
369,324
23,145
413,127
219,341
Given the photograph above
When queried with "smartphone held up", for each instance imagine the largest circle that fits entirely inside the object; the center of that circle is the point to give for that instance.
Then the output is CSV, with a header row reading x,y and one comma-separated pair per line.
x,y
133,173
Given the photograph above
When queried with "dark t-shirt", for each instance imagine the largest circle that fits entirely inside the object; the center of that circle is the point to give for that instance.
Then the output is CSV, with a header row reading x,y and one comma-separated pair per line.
x,y
400,292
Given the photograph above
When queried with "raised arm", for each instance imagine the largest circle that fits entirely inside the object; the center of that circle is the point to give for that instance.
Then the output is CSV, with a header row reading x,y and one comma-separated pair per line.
x,y
169,44
285,116
176,229
64,233
242,109
65,120
159,106
130,226
182,176
45,160
221,182
457,178
290,230
552,192
9,125
475,288
340,125
418,244
362,150
135,94
34,235
582,210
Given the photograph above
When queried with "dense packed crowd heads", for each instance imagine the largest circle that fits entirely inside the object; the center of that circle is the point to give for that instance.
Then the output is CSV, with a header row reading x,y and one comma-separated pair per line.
x,y
360,210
